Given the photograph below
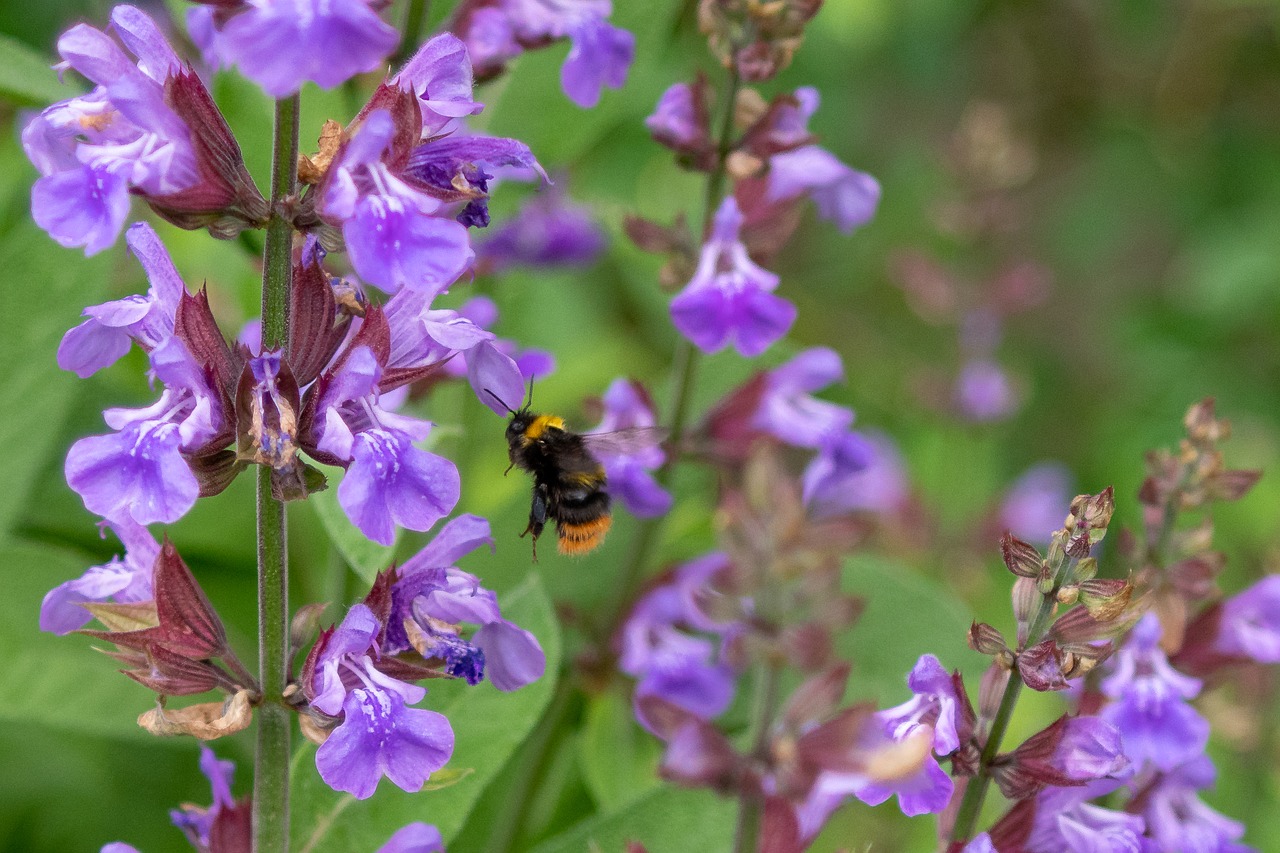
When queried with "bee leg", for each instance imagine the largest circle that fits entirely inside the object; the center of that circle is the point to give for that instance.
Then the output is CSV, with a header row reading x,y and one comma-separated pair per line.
x,y
509,467
537,516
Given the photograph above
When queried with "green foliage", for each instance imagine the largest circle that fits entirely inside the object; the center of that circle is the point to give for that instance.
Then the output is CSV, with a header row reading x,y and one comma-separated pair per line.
x,y
365,556
26,77
667,820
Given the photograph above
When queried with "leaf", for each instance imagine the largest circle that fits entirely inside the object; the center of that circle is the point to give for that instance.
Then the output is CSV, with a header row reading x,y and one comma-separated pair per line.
x,y
60,682
665,820
37,391
26,76
906,616
365,556
619,759
487,725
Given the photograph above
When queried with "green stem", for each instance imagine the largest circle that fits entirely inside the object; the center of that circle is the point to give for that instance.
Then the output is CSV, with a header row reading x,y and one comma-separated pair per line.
x,y
976,791
271,769
746,836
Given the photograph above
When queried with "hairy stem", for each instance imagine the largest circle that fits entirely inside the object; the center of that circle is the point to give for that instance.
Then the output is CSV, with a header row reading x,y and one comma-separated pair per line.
x,y
271,770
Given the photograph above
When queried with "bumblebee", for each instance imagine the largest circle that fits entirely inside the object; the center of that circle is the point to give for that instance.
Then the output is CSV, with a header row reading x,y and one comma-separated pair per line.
x,y
569,482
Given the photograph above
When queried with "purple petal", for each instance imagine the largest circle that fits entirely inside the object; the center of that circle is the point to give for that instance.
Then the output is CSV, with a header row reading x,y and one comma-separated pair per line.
x,y
144,40
414,838
459,537
1036,503
91,346
61,613
94,54
674,119
926,792
843,195
440,74
636,488
513,655
392,482
495,375
279,44
137,473
381,736
81,207
393,245
599,56
452,151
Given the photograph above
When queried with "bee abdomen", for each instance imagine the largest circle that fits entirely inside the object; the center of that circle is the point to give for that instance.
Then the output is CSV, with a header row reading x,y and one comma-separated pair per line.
x,y
582,522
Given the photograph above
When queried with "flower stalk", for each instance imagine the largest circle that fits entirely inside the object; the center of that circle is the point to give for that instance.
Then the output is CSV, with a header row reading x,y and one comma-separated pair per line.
x,y
271,776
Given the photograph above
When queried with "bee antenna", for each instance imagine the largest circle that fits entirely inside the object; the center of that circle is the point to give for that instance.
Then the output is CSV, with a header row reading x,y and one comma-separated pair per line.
x,y
529,405
500,401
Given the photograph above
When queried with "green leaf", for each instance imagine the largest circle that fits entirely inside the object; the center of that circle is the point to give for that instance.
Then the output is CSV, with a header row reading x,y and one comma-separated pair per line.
x,y
365,556
487,725
26,76
619,759
665,820
906,616
59,682
37,391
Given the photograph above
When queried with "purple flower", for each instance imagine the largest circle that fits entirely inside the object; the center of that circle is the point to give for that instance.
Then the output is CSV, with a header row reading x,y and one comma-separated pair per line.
x,y
440,75
1179,820
1250,622
1090,749
1033,506
675,121
392,237
195,822
855,471
118,847
103,338
789,412
280,44
547,231
667,659
123,580
729,296
435,594
1065,822
91,150
1149,707
379,734
599,54
981,843
983,391
417,837
455,169
627,406
843,195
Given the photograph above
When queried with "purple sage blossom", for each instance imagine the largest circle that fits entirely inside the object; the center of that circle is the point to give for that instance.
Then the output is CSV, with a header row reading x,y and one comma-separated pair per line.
x,y
787,409
1149,704
92,149
983,391
437,596
627,406
855,471
124,580
675,121
105,336
379,734
547,231
280,44
1179,820
1065,822
416,837
730,298
1249,625
1032,507
669,661
195,822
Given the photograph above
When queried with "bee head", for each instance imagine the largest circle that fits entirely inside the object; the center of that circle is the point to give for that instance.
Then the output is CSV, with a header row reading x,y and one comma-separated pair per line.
x,y
518,424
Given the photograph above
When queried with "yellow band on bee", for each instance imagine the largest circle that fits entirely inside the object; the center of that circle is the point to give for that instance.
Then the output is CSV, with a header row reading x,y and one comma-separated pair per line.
x,y
541,424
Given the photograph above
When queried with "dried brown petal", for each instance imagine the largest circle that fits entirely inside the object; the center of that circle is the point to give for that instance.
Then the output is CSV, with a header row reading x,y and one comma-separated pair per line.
x,y
206,721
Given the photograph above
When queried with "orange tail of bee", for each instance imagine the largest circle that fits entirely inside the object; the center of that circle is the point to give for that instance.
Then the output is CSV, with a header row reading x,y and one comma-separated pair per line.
x,y
579,539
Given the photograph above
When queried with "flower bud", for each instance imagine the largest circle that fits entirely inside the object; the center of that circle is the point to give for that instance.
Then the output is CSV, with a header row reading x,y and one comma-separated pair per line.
x,y
1020,557
986,639
1041,667
1105,599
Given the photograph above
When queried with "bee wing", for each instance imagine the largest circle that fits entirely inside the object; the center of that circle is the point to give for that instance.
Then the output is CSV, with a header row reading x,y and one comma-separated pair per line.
x,y
624,441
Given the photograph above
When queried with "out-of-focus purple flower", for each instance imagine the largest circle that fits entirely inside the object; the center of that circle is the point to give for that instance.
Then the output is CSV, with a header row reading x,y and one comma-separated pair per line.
x,y
280,44
379,734
91,150
855,471
627,406
548,231
983,391
118,847
1032,508
789,412
1065,822
981,843
122,580
676,120
599,55
668,660
1250,622
435,594
729,297
1149,704
843,195
416,837
230,818
1090,748
104,337
1179,820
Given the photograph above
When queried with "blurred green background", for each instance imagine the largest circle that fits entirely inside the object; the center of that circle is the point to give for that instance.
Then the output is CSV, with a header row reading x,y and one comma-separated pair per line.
x,y
1121,160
